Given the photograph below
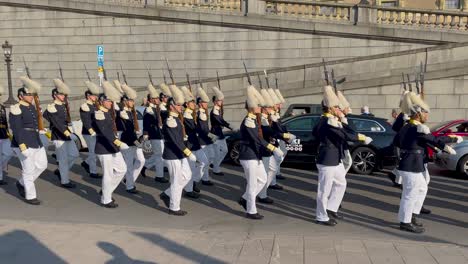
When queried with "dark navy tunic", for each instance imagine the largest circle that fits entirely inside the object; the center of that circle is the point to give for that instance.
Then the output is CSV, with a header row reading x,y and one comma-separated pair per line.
x,y
56,114
106,140
251,144
203,128
125,118
190,125
151,123
173,131
23,123
269,134
413,143
218,122
87,111
3,123
332,137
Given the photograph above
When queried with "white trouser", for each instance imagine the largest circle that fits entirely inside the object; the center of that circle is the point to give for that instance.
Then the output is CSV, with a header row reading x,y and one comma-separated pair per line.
x,y
180,174
282,146
31,168
113,168
271,165
197,168
156,159
347,160
5,154
414,193
220,152
91,159
210,154
135,160
256,177
67,153
331,189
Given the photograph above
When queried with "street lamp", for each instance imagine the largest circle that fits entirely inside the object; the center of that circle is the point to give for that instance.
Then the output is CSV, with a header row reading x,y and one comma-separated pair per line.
x,y
7,51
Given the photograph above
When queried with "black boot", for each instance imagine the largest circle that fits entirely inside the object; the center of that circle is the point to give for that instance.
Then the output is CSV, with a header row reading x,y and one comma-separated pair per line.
x,y
166,199
330,222
275,187
177,213
143,172
69,185
425,210
414,221
195,188
242,202
266,200
85,166
411,228
20,188
111,205
256,216
95,176
57,173
133,190
280,177
207,183
161,179
335,215
192,195
33,201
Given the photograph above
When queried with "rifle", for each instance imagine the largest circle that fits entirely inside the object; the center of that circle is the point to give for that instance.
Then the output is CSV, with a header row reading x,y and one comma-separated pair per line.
x,y
266,78
421,74
87,73
170,71
325,70
149,75
118,76
104,73
67,105
259,120
416,82
217,79
403,81
164,77
409,83
333,80
188,81
37,104
135,117
260,81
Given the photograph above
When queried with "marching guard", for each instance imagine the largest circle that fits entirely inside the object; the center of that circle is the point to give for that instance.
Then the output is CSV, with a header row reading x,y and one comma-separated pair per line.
x,y
199,166
5,143
176,155
206,138
413,139
331,177
345,107
87,111
133,156
152,131
252,145
26,143
280,128
217,124
108,146
164,97
62,138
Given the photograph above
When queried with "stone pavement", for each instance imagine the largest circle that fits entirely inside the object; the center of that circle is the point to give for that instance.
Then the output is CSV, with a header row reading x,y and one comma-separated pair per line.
x,y
40,242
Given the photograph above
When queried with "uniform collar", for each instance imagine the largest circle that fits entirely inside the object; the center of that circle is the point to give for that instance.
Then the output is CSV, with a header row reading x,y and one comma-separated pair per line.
x,y
253,116
188,110
217,107
414,122
89,102
327,115
127,109
174,114
102,108
163,104
23,103
201,110
58,102
265,115
152,105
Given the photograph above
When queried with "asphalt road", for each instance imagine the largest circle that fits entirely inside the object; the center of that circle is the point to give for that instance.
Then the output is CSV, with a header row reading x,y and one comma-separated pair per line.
x,y
370,206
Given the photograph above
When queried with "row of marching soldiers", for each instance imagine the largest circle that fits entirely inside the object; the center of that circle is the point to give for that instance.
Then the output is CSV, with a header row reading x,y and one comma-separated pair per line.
x,y
178,130
412,140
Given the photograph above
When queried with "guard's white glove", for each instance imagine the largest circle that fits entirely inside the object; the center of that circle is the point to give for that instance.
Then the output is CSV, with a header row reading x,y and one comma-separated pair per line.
x,y
367,141
292,137
145,137
344,120
459,139
278,153
213,137
42,132
73,137
192,157
449,150
124,146
27,152
93,134
137,144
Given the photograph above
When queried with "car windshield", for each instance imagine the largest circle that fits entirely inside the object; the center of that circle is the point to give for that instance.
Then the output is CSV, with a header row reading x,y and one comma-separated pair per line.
x,y
439,125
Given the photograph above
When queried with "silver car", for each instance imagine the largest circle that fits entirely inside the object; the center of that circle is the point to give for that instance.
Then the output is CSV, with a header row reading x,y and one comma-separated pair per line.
x,y
458,162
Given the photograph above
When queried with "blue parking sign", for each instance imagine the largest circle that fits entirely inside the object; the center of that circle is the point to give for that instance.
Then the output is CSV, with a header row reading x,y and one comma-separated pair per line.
x,y
100,51
100,61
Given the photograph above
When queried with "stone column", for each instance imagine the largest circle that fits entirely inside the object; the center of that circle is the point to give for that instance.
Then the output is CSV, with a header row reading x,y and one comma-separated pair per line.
x,y
465,5
441,4
402,3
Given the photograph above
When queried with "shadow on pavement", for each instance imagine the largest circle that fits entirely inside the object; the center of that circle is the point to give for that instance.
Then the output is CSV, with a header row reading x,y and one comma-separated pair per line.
x,y
19,246
189,254
118,255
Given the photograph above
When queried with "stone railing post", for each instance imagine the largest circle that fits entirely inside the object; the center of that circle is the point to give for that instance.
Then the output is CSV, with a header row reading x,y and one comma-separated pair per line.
x,y
255,7
465,5
363,13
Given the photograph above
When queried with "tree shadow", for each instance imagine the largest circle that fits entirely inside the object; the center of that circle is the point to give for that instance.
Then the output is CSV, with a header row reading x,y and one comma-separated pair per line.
x,y
179,249
19,246
118,255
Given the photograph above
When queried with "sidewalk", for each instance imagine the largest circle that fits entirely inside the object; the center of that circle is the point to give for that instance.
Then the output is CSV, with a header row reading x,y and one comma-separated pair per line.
x,y
40,242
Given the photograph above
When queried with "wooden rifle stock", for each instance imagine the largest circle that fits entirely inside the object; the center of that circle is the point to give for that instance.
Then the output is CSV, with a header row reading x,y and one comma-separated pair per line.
x,y
40,120
135,119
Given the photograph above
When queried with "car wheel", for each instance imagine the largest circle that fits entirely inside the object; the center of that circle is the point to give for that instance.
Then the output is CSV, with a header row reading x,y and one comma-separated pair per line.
x,y
364,160
462,167
146,146
234,152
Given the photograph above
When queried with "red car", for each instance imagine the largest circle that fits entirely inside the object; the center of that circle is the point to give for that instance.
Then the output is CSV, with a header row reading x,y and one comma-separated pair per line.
x,y
454,127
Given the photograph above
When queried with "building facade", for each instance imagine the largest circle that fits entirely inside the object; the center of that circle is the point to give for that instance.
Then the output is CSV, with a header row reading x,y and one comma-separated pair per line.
x,y
461,5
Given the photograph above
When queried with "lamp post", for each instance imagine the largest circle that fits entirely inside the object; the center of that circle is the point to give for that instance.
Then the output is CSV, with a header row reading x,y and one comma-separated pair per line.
x,y
7,51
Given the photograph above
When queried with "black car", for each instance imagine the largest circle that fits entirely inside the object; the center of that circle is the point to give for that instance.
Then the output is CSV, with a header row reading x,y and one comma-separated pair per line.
x,y
366,158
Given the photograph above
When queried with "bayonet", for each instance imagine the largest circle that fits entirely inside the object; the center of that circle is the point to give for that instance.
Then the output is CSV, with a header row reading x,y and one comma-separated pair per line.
x,y
188,81
325,70
403,81
87,73
247,72
123,75
333,80
409,83
276,81
199,81
266,78
26,68
421,75
260,81
149,75
60,71
170,71
218,80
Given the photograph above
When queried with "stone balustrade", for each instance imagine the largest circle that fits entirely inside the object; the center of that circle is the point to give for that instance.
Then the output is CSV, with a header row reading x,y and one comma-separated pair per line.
x,y
307,9
422,18
228,5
